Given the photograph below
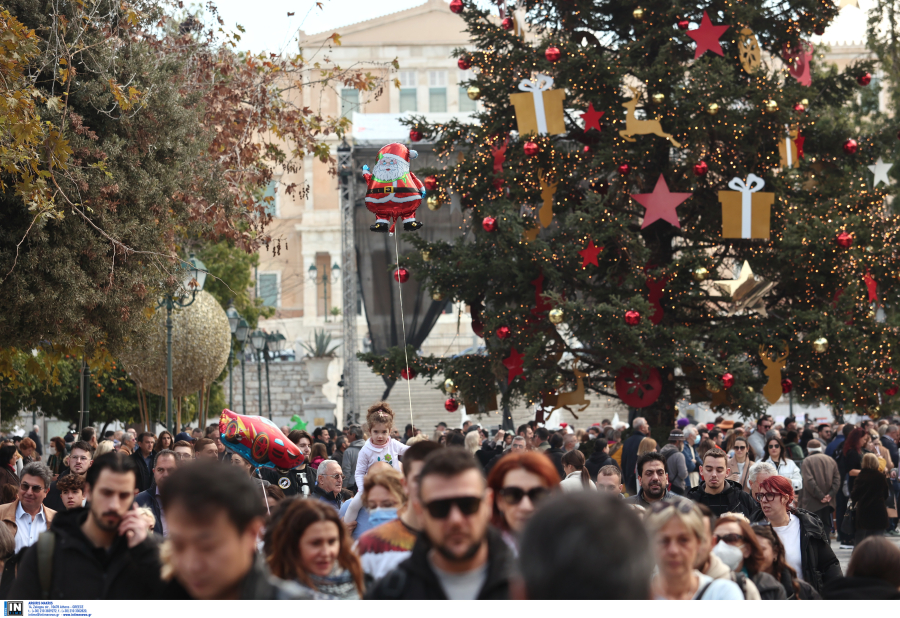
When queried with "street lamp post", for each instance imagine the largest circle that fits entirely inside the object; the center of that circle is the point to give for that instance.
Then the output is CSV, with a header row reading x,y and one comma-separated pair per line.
x,y
234,319
258,341
194,278
274,342
240,333
313,274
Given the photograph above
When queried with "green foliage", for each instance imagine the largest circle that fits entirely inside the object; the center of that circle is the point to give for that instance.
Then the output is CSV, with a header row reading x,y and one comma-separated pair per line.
x,y
318,348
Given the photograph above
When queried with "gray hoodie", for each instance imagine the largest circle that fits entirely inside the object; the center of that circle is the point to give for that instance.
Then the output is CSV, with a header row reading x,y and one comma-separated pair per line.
x,y
348,465
675,465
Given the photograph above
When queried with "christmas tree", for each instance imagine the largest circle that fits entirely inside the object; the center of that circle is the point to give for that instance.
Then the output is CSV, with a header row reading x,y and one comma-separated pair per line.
x,y
665,201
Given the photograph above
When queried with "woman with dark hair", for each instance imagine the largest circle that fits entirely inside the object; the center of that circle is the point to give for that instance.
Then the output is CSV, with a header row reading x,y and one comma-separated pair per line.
x,y
777,455
55,460
873,573
792,448
306,542
741,462
773,562
163,442
8,474
870,491
519,482
807,546
317,455
851,462
577,476
734,529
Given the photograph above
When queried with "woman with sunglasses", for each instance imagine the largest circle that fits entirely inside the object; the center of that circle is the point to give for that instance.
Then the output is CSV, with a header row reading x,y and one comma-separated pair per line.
x,y
807,546
678,532
734,530
741,462
772,562
778,456
520,481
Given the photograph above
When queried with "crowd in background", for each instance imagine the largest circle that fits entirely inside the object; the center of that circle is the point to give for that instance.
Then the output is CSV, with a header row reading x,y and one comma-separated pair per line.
x,y
721,511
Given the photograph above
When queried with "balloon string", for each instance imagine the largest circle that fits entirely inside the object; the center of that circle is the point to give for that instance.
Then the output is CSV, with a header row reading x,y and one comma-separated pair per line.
x,y
265,496
403,323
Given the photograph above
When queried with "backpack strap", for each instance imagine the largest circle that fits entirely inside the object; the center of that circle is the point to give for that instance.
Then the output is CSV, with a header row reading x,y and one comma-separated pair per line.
x,y
702,591
46,544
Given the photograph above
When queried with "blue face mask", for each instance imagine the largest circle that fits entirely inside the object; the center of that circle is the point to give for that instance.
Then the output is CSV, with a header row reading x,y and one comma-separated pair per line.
x,y
381,516
697,440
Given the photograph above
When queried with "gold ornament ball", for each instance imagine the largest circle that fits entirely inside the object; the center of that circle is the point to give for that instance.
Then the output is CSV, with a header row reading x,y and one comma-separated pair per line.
x,y
426,255
815,379
450,385
473,92
556,316
804,102
200,343
820,345
638,14
701,274
750,390
437,295
713,386
658,98
433,202
772,105
873,410
712,109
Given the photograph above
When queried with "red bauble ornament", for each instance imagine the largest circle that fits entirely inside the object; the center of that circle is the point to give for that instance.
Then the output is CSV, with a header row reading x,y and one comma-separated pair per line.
x,y
552,54
700,169
850,146
632,317
489,224
531,149
787,386
727,380
638,387
401,275
893,390
684,24
407,374
430,183
415,136
864,79
503,332
507,23
844,240
624,169
819,29
798,107
586,150
456,6
464,64
451,405
478,327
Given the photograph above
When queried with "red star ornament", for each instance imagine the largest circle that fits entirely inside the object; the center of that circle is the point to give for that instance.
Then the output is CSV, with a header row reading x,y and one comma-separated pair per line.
x,y
871,286
707,37
591,118
660,204
513,362
589,255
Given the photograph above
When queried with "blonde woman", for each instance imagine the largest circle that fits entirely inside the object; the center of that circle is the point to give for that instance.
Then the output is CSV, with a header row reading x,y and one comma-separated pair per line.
x,y
106,446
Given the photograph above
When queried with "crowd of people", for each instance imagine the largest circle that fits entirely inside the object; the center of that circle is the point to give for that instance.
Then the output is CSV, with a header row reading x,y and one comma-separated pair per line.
x,y
725,511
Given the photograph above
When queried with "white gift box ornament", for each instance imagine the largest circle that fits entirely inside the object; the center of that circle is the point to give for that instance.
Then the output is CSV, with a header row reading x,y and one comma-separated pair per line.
x,y
539,108
746,211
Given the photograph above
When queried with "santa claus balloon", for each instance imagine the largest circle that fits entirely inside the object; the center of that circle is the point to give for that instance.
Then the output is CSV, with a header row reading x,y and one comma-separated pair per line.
x,y
392,191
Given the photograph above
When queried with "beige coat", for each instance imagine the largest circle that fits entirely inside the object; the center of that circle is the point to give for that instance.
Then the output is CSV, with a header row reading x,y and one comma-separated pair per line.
x,y
8,516
820,478
739,478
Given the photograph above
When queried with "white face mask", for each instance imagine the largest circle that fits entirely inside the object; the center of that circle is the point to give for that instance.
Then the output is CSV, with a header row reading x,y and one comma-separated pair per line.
x,y
729,554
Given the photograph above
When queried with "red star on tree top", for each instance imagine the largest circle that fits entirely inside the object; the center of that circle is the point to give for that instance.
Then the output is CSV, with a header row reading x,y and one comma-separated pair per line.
x,y
660,204
707,37
591,118
514,363
589,255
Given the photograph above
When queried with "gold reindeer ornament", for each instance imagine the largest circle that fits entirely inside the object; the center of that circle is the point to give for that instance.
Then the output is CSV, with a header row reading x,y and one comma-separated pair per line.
x,y
635,126
772,389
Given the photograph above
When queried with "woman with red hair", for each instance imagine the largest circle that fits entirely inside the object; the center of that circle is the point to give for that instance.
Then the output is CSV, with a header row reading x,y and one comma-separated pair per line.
x,y
807,547
520,481
854,447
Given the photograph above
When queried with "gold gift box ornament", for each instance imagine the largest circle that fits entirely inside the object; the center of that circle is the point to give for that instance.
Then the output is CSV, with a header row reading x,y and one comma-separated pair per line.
x,y
539,108
746,211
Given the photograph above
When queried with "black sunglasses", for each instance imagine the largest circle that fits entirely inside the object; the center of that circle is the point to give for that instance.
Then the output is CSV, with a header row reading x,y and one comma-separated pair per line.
x,y
731,539
440,509
514,495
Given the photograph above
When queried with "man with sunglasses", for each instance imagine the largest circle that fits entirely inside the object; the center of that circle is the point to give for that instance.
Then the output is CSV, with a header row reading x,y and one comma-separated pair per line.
x,y
26,516
654,480
717,492
457,555
328,483
757,439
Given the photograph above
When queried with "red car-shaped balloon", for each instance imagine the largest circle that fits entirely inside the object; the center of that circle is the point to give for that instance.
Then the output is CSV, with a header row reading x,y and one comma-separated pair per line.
x,y
258,440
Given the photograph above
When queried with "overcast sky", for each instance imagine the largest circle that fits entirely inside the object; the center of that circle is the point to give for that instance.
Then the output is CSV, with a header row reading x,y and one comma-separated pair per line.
x,y
268,26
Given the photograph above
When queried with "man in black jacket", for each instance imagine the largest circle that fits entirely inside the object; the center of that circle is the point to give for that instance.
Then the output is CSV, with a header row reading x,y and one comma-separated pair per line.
x,y
143,459
629,452
457,555
165,464
717,492
99,552
599,458
555,453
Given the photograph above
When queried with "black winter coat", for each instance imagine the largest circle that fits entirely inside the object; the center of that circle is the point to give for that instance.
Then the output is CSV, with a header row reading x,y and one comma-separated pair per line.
x,y
487,452
597,460
770,589
144,474
556,455
869,493
415,579
83,571
629,459
148,499
820,566
732,499
861,589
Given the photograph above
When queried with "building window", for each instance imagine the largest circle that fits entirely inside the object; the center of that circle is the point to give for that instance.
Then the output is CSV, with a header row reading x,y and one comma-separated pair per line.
x,y
408,96
270,198
870,97
349,101
268,288
465,103
437,91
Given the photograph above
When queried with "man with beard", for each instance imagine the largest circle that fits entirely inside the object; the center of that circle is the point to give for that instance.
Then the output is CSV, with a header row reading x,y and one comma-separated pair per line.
x,y
457,555
99,552
392,191
654,480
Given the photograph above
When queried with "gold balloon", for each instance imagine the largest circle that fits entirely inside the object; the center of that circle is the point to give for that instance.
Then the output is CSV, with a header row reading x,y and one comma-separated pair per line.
x,y
556,316
658,98
815,379
712,109
713,386
433,202
700,274
820,345
437,295
804,102
772,105
638,14
426,255
200,342
450,385
474,93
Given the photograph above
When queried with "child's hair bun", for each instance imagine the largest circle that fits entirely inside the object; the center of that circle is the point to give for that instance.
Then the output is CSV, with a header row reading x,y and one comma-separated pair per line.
x,y
380,412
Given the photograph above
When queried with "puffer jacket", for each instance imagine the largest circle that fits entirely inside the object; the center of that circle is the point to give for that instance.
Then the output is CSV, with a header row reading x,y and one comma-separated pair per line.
x,y
769,588
820,566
